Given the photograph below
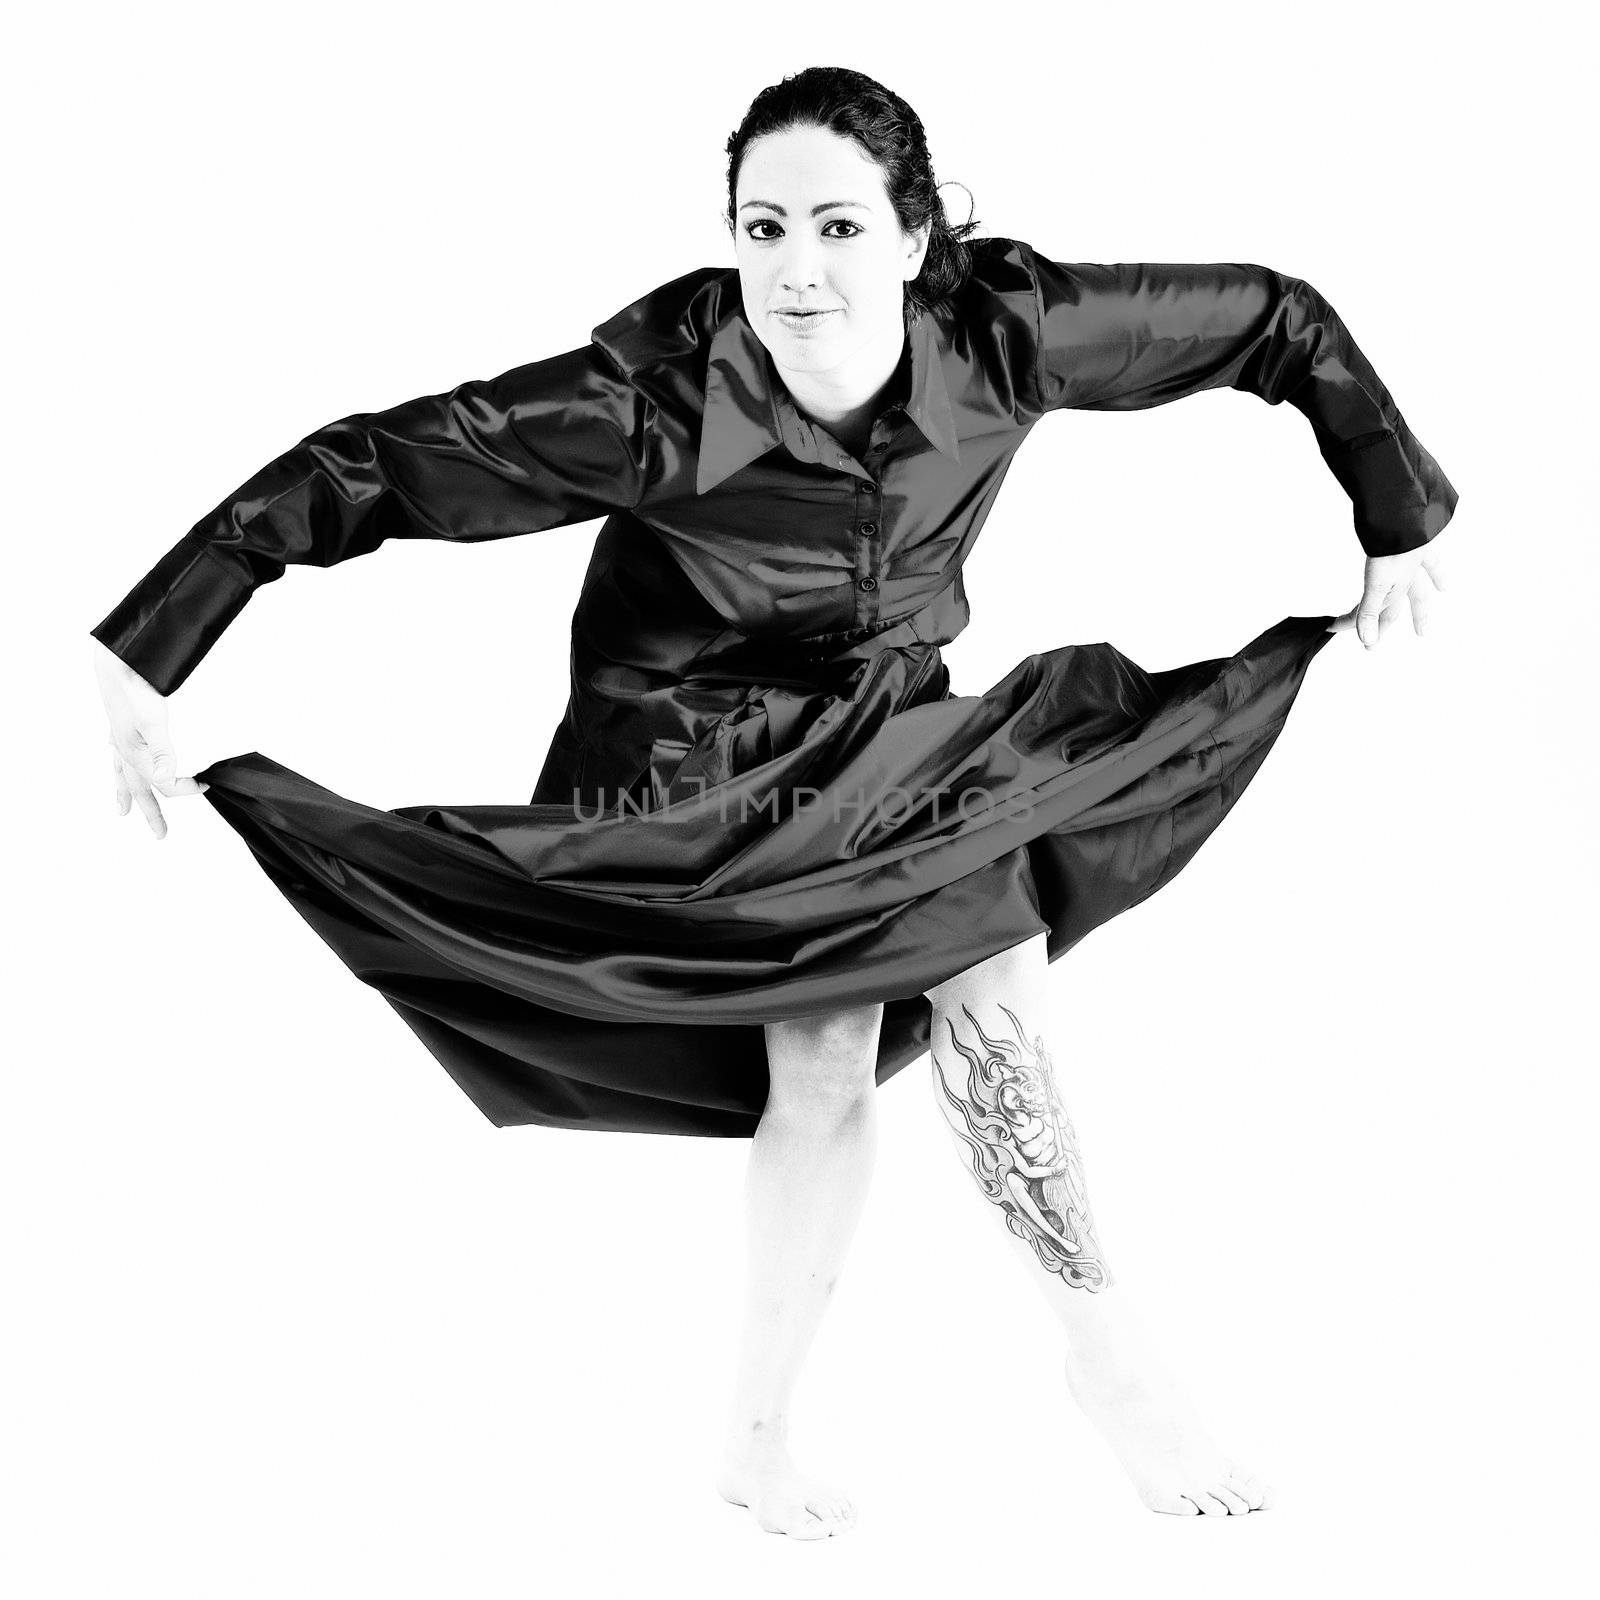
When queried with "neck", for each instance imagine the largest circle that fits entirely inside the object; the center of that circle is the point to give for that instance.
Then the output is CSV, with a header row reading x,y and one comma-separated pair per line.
x,y
852,393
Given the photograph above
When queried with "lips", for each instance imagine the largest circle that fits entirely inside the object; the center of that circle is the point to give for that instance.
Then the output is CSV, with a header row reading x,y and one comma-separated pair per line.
x,y
803,319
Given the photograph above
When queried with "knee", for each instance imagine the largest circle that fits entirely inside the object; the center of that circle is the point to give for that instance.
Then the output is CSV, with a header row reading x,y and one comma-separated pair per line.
x,y
825,1061
1007,972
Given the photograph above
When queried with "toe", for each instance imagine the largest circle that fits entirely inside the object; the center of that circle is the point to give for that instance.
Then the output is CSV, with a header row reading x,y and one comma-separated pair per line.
x,y
1237,1505
1257,1491
1208,1504
1174,1505
808,1526
833,1503
1247,1487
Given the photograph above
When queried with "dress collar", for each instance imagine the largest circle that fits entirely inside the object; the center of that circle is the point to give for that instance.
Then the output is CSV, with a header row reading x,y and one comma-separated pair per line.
x,y
748,411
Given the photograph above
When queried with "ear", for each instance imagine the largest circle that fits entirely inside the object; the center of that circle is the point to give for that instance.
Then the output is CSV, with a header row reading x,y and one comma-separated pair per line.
x,y
918,250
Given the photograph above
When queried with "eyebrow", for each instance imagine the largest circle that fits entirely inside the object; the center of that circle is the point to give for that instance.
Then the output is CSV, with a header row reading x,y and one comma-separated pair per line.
x,y
827,205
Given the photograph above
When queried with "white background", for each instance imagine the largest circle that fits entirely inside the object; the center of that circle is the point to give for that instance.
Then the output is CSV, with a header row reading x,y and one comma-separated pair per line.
x,y
289,1317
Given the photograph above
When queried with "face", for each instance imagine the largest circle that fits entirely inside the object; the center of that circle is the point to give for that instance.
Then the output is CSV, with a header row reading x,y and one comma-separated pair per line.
x,y
813,228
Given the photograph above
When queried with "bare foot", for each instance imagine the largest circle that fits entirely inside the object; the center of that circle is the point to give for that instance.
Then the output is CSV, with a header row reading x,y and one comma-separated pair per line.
x,y
1151,1426
781,1497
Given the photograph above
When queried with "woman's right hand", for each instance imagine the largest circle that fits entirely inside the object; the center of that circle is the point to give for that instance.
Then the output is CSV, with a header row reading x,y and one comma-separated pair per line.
x,y
141,746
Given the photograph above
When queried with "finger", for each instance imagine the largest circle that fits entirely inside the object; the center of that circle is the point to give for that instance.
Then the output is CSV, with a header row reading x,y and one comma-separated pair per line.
x,y
177,786
136,766
1419,608
136,761
1388,614
145,799
1434,567
1340,623
163,765
124,799
1367,615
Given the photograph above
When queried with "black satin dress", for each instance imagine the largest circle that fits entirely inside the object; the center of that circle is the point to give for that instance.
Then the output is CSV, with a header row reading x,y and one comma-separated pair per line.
x,y
763,800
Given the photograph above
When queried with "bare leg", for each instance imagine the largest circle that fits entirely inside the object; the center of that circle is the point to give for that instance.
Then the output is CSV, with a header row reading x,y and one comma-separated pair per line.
x,y
1001,1096
810,1165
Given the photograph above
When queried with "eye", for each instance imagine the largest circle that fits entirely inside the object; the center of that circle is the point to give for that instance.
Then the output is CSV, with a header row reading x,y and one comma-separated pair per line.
x,y
767,222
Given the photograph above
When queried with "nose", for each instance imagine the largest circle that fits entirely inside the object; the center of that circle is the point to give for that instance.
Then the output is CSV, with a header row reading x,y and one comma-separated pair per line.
x,y
802,266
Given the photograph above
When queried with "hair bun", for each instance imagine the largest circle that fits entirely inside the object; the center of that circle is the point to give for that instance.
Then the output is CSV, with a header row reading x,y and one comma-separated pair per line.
x,y
972,199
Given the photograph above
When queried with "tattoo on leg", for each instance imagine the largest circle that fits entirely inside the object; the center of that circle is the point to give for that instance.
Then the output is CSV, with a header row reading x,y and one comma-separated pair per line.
x,y
1023,1150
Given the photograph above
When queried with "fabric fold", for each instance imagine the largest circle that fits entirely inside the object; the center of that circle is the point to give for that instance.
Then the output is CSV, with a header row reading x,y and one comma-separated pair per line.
x,y
805,852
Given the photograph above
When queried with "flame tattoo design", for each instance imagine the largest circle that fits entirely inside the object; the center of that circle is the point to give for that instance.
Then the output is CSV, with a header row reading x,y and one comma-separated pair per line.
x,y
1023,1150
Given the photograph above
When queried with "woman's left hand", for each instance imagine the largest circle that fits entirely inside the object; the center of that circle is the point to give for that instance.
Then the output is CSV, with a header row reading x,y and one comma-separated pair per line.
x,y
1390,581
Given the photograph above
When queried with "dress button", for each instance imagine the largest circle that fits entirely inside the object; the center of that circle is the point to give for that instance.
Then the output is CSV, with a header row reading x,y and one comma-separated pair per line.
x,y
869,528
844,461
867,583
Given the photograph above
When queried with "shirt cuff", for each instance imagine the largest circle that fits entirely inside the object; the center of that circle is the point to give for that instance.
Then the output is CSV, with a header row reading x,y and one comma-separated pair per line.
x,y
172,617
1401,498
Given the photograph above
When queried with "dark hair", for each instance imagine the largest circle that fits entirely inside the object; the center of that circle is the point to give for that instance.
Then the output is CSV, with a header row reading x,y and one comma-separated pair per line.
x,y
890,132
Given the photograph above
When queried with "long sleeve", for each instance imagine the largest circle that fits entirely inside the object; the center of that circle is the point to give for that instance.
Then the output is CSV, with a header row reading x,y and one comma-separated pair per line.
x,y
1125,336
557,441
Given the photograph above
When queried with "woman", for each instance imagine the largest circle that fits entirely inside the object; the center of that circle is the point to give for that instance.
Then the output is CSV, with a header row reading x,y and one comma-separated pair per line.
x,y
771,858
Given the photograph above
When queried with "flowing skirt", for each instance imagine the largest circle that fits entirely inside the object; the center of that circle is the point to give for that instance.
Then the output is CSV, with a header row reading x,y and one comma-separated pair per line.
x,y
818,846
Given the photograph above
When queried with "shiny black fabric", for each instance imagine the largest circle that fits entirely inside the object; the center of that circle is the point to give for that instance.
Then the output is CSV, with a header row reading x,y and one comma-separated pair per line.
x,y
763,801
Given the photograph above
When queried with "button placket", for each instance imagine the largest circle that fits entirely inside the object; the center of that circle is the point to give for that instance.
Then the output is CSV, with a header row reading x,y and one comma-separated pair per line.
x,y
868,520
